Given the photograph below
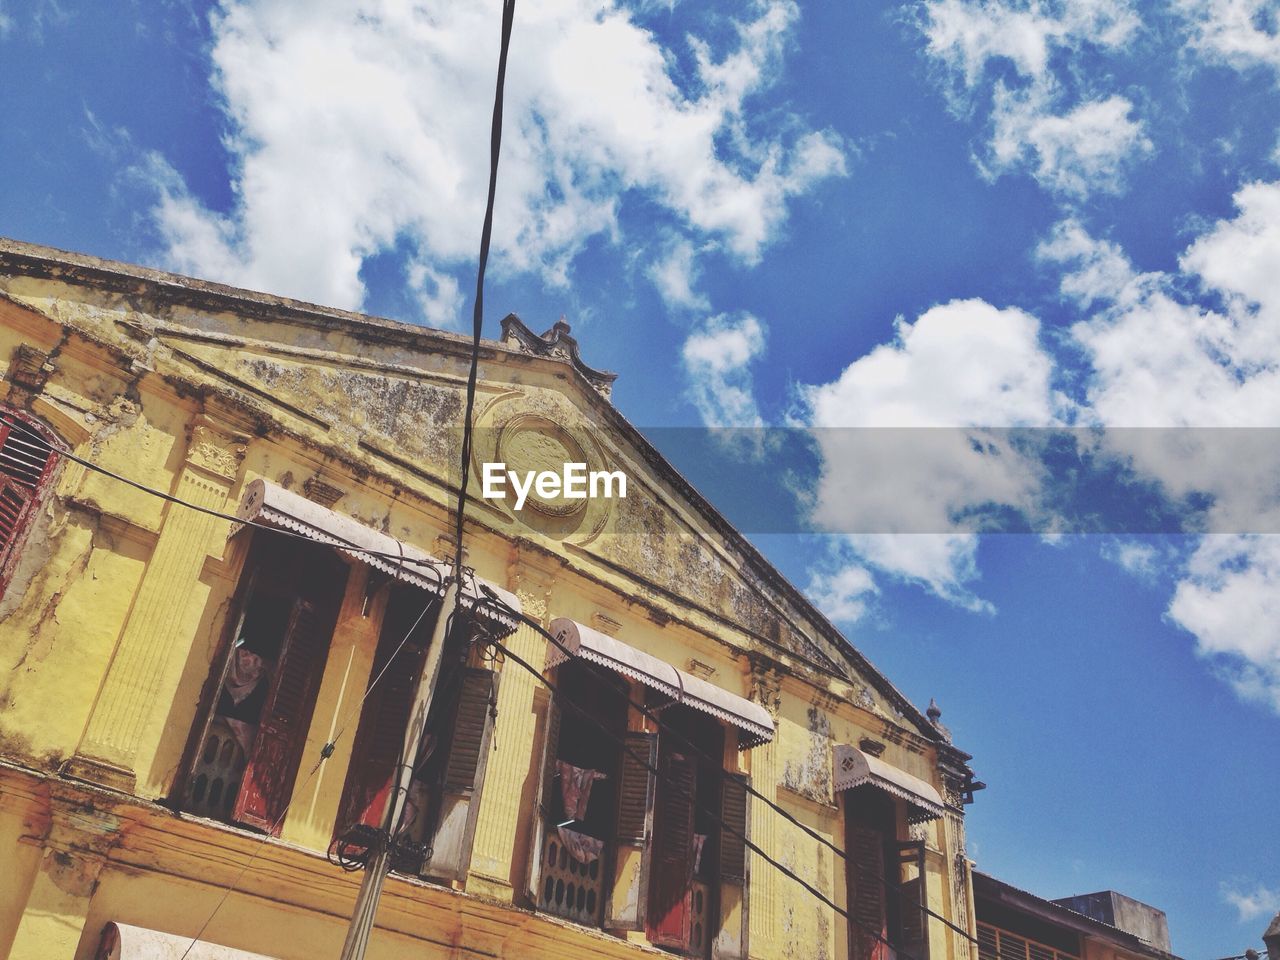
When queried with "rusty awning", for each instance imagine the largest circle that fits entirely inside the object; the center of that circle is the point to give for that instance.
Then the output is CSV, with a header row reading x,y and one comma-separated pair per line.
x,y
264,502
121,941
853,768
751,719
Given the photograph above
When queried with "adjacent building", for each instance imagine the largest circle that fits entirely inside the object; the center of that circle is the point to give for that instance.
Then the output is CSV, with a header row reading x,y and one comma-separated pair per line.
x,y
1016,925
225,527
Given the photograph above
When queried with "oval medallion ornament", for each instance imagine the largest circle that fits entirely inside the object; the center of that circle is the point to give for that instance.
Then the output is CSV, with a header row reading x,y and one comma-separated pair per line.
x,y
531,443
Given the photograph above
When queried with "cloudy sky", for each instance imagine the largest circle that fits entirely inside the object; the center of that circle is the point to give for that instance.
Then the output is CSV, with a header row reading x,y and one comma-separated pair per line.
x,y
948,214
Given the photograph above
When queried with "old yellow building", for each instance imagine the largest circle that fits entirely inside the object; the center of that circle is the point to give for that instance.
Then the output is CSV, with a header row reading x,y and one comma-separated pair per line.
x,y
169,679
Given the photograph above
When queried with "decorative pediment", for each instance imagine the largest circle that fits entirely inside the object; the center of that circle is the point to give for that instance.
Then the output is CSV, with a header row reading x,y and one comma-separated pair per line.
x,y
557,344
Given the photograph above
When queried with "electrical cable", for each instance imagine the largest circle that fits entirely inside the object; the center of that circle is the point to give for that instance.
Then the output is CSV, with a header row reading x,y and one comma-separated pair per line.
x,y
326,751
492,600
477,317
715,817
88,464
63,451
601,671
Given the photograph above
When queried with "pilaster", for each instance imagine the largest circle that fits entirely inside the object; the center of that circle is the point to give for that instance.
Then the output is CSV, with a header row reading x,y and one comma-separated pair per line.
x,y
138,676
766,690
502,838
73,851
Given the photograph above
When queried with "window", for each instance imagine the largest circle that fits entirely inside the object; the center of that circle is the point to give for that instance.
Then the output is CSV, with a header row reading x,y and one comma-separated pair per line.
x,y
620,848
683,885
26,463
439,818
579,816
262,692
885,880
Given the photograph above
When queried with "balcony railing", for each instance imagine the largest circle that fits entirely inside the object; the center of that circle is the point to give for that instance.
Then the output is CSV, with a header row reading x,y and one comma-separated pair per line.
x,y
572,890
215,781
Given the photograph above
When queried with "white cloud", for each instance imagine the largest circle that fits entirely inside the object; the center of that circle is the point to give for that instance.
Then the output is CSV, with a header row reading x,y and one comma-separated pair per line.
x,y
1073,144
675,275
964,36
1240,33
717,360
1088,149
1199,348
1260,903
355,131
438,294
1230,602
964,364
1139,559
843,593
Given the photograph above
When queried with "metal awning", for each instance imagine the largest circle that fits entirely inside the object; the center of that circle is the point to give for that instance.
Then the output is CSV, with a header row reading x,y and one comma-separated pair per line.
x,y
750,718
265,502
853,768
120,941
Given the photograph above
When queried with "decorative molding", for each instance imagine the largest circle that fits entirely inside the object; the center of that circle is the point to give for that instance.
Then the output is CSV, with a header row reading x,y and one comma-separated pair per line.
x,y
699,669
321,491
215,449
766,684
555,344
31,367
605,624
873,747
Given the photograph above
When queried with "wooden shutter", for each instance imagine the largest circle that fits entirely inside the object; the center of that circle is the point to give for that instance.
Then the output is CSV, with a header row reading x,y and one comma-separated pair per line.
x,y
542,801
670,884
26,460
628,904
733,812
730,942
463,775
864,850
380,737
912,899
13,505
282,732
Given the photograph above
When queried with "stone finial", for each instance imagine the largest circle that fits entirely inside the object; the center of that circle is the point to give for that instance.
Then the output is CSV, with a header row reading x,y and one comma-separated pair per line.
x,y
556,344
934,713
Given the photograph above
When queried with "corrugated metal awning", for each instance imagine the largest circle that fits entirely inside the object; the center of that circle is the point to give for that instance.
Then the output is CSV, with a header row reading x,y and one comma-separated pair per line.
x,y
751,718
120,941
853,768
265,502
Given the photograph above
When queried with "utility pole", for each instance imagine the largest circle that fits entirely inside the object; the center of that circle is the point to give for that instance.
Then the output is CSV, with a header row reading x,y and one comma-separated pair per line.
x,y
376,870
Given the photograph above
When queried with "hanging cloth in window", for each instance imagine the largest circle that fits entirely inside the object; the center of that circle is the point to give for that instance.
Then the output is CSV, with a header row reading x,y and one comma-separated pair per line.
x,y
575,788
581,847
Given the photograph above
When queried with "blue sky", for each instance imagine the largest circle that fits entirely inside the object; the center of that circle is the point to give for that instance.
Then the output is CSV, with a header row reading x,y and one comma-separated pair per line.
x,y
945,213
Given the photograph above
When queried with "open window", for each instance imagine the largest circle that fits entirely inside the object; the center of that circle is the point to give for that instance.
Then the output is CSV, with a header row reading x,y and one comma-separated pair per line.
x,y
648,851
248,742
27,460
578,817
438,822
885,876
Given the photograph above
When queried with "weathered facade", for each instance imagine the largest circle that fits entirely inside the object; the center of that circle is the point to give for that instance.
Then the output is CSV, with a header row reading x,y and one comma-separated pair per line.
x,y
169,679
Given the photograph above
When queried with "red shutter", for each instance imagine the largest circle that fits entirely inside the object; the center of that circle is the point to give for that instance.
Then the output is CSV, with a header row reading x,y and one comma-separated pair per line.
x,y
864,850
670,881
273,764
26,460
380,737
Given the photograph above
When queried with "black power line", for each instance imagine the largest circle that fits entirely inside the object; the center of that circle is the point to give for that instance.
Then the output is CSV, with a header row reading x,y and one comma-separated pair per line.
x,y
666,729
